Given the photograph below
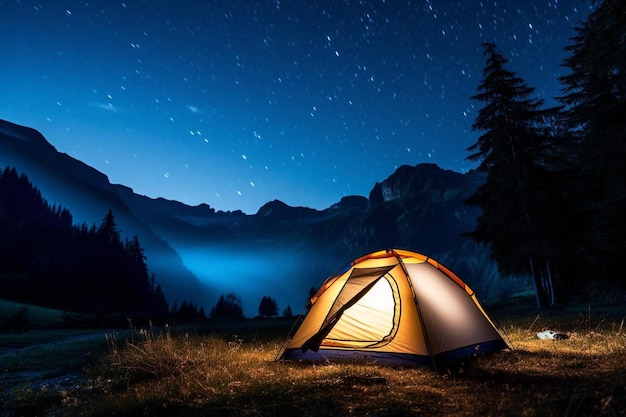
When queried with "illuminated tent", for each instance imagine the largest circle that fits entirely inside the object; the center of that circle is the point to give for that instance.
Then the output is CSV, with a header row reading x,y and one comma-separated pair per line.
x,y
395,307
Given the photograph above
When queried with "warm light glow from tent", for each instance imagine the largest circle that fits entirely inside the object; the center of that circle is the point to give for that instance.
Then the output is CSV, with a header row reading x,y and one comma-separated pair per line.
x,y
447,309
395,306
377,308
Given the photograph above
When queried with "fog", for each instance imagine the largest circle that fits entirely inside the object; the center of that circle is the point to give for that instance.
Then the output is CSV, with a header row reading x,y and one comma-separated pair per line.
x,y
250,273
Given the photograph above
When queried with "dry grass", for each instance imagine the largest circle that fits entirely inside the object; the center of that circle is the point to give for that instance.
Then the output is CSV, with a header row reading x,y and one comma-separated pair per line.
x,y
217,373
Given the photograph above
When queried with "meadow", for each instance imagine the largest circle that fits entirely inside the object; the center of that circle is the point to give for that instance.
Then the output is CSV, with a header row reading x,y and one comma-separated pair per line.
x,y
229,369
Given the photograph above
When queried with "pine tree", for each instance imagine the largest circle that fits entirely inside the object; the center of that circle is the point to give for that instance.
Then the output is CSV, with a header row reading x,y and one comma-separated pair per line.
x,y
595,114
108,229
227,308
46,260
515,153
159,303
268,307
137,258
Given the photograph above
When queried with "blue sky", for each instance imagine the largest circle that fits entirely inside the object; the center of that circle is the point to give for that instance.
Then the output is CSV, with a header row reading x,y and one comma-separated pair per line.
x,y
235,104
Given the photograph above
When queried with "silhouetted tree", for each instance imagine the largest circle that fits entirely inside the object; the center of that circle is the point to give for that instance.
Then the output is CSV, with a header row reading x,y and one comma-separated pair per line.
x,y
188,312
159,302
268,307
595,114
228,307
46,260
287,312
108,229
515,153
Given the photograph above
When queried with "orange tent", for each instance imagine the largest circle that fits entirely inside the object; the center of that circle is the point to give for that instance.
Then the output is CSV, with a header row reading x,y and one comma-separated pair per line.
x,y
394,307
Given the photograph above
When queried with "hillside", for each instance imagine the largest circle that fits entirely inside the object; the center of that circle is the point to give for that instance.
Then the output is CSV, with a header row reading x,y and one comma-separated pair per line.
x,y
198,253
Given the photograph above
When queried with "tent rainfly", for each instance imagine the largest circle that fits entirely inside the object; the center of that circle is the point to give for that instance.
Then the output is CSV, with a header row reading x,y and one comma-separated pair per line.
x,y
394,307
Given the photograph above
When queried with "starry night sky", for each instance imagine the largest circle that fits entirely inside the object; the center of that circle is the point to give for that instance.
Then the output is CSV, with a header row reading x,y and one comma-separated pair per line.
x,y
237,103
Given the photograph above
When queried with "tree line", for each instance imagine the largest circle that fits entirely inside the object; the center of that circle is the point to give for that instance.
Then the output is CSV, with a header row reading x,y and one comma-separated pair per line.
x,y
47,260
553,203
230,307
554,198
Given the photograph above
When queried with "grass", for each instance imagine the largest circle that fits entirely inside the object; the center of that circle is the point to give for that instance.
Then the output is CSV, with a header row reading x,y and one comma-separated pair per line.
x,y
229,370
11,312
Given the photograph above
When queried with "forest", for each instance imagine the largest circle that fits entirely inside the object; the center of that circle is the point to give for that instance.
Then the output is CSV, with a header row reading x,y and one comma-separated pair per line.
x,y
554,199
552,206
553,202
47,260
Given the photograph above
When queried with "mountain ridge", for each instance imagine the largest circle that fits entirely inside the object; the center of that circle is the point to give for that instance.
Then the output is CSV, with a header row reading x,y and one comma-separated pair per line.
x,y
86,192
281,251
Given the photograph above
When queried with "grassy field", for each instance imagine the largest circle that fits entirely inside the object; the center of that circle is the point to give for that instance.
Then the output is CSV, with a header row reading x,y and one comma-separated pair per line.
x,y
14,314
229,370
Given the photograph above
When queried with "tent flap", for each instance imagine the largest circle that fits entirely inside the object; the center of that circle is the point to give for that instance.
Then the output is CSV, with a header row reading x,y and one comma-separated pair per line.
x,y
358,284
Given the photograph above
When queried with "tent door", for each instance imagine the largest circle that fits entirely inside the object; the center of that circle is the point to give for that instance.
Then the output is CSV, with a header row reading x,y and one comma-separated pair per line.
x,y
365,312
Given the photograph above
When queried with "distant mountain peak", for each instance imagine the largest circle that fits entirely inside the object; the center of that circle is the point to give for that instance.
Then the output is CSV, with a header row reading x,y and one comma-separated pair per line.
x,y
188,247
279,210
409,181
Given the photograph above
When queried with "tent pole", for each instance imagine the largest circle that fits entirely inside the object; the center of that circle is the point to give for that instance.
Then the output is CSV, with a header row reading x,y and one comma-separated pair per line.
x,y
419,310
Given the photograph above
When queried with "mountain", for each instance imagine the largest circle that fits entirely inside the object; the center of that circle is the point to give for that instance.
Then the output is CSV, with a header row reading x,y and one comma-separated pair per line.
x,y
88,195
198,253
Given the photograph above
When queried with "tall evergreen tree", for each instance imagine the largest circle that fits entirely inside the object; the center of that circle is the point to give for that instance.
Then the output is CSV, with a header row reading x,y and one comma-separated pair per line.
x,y
514,152
108,229
137,258
46,260
595,114
287,312
268,307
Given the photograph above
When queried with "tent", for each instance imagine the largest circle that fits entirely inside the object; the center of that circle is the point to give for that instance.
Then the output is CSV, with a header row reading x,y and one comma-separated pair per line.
x,y
394,307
